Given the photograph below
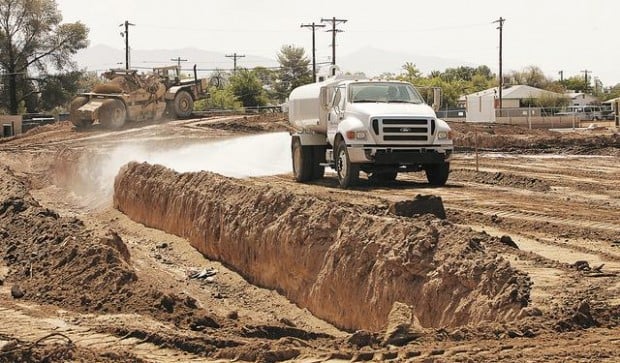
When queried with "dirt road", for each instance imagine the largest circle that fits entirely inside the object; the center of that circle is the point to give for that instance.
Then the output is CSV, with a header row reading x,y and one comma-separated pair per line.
x,y
536,214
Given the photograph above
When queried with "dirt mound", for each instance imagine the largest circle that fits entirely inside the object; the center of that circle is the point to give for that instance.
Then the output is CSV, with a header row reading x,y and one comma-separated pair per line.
x,y
508,138
115,85
501,179
273,122
346,267
54,259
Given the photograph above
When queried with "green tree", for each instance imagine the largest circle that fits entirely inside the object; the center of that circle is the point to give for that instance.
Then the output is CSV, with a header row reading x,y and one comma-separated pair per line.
x,y
219,79
59,89
220,99
614,92
267,77
531,76
412,73
294,71
248,89
576,83
32,36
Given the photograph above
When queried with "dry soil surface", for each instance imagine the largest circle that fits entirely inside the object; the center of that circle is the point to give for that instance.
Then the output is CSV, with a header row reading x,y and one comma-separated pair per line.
x,y
517,258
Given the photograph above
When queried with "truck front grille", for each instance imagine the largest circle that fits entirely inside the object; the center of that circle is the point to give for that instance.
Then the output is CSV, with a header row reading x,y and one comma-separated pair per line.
x,y
406,130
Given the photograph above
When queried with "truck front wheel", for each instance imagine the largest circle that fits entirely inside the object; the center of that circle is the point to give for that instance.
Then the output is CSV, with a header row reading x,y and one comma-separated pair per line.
x,y
437,174
302,161
348,173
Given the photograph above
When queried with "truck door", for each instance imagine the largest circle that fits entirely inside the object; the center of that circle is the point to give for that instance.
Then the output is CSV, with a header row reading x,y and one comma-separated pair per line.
x,y
336,112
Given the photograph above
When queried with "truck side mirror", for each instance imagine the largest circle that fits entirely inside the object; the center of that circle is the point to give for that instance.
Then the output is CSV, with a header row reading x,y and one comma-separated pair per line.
x,y
337,98
324,98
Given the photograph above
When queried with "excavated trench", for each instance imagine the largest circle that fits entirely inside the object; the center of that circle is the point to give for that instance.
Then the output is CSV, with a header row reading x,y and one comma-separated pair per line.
x,y
346,267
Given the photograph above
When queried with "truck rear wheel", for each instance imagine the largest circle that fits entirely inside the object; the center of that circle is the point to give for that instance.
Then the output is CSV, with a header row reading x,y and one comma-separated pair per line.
x,y
437,174
302,161
74,116
112,114
183,104
348,173
318,157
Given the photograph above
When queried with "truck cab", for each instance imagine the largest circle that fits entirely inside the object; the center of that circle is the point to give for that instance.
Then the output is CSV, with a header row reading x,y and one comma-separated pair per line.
x,y
381,128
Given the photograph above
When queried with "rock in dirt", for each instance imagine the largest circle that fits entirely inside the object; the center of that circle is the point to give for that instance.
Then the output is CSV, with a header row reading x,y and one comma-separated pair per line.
x,y
17,292
581,265
113,240
507,240
361,338
421,204
403,326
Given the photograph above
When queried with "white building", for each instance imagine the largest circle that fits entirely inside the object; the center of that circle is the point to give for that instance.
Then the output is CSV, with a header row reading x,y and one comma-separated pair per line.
x,y
581,99
481,106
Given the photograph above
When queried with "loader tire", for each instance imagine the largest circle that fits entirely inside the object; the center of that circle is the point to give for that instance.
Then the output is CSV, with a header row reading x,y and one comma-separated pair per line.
x,y
74,116
113,114
183,104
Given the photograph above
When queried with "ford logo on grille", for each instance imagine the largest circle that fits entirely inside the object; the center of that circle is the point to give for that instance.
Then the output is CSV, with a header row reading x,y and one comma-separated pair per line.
x,y
405,129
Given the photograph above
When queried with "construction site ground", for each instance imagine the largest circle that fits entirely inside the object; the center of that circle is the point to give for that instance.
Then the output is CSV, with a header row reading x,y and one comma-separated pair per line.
x,y
82,281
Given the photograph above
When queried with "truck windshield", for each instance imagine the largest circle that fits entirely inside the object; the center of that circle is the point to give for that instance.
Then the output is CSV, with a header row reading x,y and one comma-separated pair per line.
x,y
389,92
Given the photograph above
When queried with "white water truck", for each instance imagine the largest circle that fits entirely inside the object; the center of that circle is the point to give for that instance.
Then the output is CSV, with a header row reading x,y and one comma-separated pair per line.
x,y
379,127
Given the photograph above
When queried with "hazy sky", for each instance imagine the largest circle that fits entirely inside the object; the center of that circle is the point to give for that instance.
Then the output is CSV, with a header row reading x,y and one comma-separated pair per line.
x,y
555,35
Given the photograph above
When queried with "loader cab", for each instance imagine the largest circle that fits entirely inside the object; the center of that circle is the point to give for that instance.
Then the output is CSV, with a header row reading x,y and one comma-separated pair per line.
x,y
170,75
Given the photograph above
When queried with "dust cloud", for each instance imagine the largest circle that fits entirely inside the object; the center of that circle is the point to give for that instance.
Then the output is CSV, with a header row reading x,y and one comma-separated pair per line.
x,y
242,157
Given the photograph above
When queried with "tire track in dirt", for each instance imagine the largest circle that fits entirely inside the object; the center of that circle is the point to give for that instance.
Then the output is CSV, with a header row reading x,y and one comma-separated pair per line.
x,y
18,324
537,217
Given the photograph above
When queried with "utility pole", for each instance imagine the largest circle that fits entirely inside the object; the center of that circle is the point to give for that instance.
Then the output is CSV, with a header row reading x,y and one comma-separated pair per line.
x,y
126,36
178,60
561,73
333,30
501,75
234,56
585,72
313,26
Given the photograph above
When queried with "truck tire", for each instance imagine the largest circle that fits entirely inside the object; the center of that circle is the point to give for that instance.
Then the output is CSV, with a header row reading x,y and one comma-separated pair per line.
x,y
183,105
348,173
73,114
302,161
318,157
383,177
437,174
113,114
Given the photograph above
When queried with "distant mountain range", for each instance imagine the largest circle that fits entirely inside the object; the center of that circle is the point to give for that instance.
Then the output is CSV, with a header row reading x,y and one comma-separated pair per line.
x,y
371,61
374,61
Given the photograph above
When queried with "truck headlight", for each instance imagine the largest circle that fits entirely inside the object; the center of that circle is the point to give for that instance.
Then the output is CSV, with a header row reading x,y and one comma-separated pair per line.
x,y
443,135
356,135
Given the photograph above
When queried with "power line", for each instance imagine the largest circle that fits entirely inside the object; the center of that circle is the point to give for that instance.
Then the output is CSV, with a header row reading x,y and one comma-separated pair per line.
x,y
313,26
178,60
333,30
234,56
501,76
126,35
585,71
